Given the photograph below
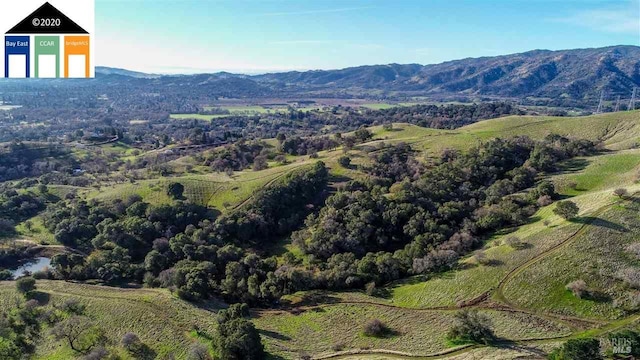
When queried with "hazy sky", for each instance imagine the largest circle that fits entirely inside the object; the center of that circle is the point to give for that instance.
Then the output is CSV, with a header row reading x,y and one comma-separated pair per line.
x,y
187,36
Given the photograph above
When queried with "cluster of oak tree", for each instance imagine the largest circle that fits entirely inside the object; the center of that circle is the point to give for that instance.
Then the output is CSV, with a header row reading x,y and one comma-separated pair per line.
x,y
406,217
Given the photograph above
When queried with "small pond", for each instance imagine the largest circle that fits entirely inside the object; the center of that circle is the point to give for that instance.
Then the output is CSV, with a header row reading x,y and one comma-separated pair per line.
x,y
31,266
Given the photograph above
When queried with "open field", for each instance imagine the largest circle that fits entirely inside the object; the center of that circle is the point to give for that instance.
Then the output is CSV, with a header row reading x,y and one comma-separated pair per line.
x,y
36,231
162,321
601,172
195,117
596,256
617,131
473,280
321,330
523,291
138,122
592,248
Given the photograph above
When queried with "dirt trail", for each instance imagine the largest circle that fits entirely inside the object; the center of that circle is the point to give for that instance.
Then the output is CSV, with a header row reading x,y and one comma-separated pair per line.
x,y
483,301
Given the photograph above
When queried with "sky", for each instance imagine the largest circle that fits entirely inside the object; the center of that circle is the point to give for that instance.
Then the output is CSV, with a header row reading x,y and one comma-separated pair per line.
x,y
251,36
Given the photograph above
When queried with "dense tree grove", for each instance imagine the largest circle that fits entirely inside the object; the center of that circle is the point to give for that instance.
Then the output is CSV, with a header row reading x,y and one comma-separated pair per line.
x,y
18,206
303,146
18,160
275,211
236,157
444,117
183,247
405,217
411,218
118,235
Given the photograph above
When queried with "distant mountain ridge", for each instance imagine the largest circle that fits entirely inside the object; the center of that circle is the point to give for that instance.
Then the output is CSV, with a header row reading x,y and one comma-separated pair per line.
x,y
104,70
574,74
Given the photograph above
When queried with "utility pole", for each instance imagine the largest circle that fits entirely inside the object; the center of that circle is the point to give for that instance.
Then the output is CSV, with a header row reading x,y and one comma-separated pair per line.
x,y
617,104
599,110
632,102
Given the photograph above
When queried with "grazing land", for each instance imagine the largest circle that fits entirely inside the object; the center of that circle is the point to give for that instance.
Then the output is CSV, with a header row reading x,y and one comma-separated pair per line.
x,y
176,230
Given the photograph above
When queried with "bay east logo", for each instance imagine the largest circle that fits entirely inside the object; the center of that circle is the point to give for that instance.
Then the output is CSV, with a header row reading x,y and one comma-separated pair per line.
x,y
49,43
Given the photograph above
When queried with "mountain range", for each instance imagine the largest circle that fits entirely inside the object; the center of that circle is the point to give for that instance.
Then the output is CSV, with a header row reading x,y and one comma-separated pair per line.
x,y
578,74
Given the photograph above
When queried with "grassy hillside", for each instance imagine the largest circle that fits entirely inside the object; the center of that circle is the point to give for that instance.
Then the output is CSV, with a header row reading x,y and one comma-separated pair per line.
x,y
596,256
162,321
531,279
322,330
521,290
617,130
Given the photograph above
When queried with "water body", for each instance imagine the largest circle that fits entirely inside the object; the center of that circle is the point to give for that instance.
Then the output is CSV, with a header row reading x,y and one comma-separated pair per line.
x,y
31,266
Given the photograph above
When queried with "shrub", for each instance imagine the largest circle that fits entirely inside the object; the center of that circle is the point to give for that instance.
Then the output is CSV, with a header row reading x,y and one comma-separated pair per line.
x,y
471,327
5,275
375,328
281,159
515,243
578,349
98,353
370,288
634,249
544,200
481,258
631,276
175,190
260,163
198,351
566,209
131,342
620,192
578,288
31,304
344,161
42,274
73,306
26,285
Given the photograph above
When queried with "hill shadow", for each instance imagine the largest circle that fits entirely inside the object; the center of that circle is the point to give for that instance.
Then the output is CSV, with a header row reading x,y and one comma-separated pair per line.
x,y
598,296
270,356
339,178
590,220
312,299
572,165
274,335
509,344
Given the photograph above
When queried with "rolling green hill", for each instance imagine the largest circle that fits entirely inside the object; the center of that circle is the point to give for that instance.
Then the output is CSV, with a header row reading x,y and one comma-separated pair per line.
x,y
616,130
163,322
521,290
